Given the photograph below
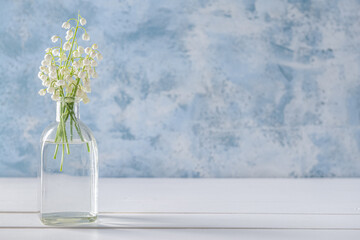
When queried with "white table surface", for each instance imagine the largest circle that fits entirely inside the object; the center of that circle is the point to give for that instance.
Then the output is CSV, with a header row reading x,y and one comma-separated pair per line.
x,y
196,209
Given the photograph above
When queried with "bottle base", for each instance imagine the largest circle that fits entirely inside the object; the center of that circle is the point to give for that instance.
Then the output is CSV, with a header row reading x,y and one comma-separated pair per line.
x,y
67,218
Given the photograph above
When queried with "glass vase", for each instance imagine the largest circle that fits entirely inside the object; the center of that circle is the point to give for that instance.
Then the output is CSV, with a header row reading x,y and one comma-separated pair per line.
x,y
69,168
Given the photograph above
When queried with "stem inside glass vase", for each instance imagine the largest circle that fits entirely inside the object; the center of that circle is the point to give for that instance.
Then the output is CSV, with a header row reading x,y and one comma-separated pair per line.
x,y
67,109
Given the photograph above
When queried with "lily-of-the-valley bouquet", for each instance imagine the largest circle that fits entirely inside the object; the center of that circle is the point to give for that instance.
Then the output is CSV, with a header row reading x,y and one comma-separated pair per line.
x,y
66,72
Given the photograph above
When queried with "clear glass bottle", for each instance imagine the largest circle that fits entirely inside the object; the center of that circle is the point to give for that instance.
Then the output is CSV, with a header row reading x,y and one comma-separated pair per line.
x,y
69,168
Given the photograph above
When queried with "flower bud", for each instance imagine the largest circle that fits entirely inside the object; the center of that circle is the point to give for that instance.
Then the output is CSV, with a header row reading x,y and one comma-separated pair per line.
x,y
94,46
42,68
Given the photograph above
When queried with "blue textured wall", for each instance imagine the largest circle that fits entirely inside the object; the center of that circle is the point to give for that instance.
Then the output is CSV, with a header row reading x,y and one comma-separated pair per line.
x,y
195,88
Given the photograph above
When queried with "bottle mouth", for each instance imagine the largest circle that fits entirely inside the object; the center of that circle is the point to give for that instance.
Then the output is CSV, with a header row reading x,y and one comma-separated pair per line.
x,y
69,100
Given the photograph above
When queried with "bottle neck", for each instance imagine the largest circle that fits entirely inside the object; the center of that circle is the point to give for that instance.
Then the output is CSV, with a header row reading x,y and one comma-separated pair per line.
x,y
62,107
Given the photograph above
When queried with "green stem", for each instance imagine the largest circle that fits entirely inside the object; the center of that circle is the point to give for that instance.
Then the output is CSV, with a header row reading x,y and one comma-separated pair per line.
x,y
62,158
72,44
56,150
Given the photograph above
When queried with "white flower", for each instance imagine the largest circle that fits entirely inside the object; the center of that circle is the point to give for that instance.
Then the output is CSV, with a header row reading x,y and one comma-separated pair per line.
x,y
51,90
42,68
76,64
69,34
66,46
40,74
42,92
87,88
93,63
54,38
76,54
55,97
85,99
80,49
94,75
46,83
44,63
91,71
52,75
79,93
82,21
85,37
60,83
69,78
55,52
94,46
87,50
46,71
66,25
52,68
43,77
99,56
47,57
86,62
63,57
82,75
92,54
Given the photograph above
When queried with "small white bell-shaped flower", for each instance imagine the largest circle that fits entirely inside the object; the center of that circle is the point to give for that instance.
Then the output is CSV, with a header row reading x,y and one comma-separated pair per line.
x,y
92,54
85,37
94,46
56,52
42,92
80,49
99,56
54,38
87,50
82,21
86,62
52,75
66,25
60,83
51,90
47,57
76,54
93,63
66,46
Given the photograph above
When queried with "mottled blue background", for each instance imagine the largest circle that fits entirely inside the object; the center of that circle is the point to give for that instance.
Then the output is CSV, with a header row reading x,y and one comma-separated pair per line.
x,y
195,88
